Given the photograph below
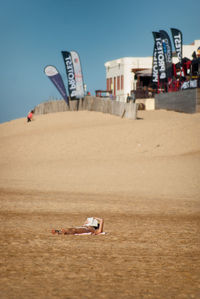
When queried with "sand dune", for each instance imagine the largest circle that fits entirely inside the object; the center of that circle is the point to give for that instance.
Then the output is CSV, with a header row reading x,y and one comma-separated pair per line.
x,y
142,177
94,152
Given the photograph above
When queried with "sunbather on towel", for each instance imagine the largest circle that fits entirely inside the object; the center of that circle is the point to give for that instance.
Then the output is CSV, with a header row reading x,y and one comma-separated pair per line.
x,y
92,225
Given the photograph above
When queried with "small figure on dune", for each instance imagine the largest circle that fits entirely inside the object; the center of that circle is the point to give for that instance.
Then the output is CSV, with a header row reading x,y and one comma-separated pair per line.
x,y
30,116
92,226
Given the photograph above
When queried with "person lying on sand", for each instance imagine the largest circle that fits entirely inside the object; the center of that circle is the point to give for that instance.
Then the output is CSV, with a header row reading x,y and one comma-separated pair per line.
x,y
92,225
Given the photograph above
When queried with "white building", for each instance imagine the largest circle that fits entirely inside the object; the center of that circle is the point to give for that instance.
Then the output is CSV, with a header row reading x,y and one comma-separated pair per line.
x,y
119,76
188,50
120,73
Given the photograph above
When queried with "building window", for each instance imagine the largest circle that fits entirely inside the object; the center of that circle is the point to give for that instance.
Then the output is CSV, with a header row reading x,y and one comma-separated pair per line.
x,y
122,82
110,86
107,84
114,86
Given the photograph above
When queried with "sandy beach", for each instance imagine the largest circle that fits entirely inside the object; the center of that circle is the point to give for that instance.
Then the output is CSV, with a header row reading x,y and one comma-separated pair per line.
x,y
142,176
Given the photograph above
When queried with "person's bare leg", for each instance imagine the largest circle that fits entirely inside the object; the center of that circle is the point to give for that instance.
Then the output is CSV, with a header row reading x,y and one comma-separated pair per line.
x,y
77,230
69,231
74,230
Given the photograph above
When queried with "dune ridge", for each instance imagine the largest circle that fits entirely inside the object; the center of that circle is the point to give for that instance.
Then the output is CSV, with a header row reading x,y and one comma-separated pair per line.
x,y
94,152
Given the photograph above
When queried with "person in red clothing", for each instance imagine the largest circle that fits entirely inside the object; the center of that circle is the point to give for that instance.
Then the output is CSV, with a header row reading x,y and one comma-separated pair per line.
x,y
30,116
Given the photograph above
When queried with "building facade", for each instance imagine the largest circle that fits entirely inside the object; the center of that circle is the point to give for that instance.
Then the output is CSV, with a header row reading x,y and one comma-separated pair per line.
x,y
121,74
188,50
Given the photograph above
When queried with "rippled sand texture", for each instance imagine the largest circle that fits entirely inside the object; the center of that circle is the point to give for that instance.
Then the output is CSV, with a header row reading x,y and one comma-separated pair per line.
x,y
142,177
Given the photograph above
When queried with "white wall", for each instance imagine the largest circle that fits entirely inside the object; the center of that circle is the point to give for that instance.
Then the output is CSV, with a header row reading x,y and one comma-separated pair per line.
x,y
189,49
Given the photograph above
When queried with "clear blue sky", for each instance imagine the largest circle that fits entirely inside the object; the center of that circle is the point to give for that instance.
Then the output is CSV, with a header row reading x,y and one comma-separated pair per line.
x,y
34,32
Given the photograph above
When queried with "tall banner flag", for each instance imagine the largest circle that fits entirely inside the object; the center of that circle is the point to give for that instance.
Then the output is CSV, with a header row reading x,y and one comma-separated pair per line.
x,y
155,67
178,42
160,56
78,75
70,74
57,80
167,48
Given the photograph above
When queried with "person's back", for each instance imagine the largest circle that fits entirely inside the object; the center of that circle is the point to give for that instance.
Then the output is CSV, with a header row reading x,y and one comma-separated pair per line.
x,y
128,98
30,116
133,97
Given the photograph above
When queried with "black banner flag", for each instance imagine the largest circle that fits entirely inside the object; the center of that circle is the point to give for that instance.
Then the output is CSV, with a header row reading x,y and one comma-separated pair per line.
x,y
155,67
160,56
70,74
167,48
178,42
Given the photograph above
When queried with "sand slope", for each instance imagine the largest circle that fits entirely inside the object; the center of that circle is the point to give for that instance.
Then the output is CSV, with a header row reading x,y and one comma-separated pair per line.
x,y
141,176
94,152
